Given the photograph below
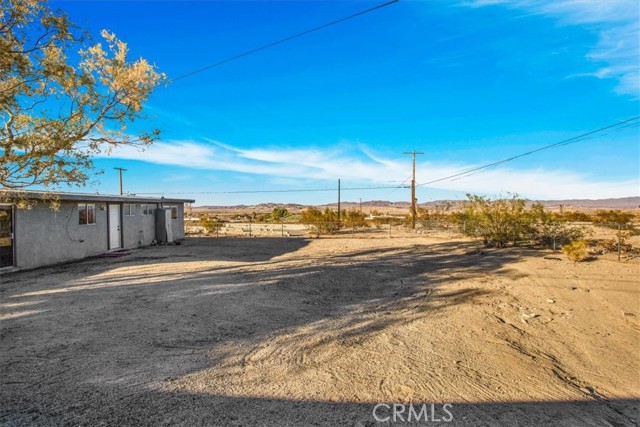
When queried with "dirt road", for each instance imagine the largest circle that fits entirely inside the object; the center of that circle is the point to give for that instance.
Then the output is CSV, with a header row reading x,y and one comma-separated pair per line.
x,y
301,332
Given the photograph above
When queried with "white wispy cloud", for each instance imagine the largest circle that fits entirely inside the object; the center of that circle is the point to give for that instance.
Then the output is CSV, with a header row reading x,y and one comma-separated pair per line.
x,y
616,22
364,166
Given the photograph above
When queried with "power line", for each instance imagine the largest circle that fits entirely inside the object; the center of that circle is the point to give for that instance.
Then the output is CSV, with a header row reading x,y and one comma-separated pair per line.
x,y
277,42
572,140
399,186
468,172
302,190
246,53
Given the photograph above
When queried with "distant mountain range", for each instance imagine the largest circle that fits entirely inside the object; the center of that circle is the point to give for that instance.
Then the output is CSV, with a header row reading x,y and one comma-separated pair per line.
x,y
621,203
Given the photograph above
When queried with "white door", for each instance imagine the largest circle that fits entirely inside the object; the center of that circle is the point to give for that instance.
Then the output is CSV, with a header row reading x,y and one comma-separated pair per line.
x,y
115,236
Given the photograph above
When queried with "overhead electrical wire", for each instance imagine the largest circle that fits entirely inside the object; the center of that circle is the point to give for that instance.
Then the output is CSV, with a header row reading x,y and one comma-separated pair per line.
x,y
399,186
301,190
246,53
280,41
617,126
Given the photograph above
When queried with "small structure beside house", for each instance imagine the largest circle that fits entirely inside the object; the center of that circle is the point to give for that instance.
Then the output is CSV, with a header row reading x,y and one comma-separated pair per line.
x,y
84,225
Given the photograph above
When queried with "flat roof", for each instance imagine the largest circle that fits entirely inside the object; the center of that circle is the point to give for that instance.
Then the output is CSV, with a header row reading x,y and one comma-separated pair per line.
x,y
89,197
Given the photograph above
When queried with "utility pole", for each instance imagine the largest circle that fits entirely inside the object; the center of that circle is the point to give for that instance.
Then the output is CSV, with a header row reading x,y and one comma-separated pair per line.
x,y
413,186
120,170
338,203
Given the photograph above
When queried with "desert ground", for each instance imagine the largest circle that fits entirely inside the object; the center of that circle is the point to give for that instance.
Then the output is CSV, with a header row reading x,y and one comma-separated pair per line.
x,y
317,331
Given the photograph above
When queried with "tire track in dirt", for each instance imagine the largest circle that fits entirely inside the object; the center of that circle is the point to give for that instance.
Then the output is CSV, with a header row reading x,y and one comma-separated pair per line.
x,y
525,344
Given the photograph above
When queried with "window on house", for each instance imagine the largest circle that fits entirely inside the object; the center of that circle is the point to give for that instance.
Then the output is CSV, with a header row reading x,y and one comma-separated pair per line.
x,y
86,213
129,209
174,212
147,209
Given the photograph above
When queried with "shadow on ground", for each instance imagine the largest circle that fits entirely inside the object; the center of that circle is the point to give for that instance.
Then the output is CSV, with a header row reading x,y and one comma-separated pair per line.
x,y
88,343
170,409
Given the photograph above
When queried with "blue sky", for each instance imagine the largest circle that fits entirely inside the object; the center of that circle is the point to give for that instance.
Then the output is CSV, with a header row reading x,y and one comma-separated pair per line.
x,y
466,82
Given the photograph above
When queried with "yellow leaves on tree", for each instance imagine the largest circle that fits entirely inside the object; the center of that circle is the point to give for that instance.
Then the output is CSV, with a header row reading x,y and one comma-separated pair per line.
x,y
55,113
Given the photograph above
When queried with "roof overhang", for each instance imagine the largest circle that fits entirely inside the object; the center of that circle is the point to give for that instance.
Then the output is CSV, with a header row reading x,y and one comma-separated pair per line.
x,y
86,197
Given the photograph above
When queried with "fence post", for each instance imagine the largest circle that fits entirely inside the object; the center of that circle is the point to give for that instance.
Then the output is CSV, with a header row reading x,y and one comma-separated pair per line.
x,y
390,225
464,227
249,227
619,241
282,226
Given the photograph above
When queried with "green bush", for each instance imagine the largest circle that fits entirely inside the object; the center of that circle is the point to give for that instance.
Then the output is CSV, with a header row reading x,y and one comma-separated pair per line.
x,y
322,222
279,214
438,213
353,219
508,220
612,218
573,216
544,227
576,251
498,221
211,225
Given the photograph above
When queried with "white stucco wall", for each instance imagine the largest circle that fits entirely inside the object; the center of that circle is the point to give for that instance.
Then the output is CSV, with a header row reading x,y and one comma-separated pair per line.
x,y
43,236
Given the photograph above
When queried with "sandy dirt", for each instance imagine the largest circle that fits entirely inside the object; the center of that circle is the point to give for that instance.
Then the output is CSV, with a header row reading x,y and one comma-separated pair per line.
x,y
316,332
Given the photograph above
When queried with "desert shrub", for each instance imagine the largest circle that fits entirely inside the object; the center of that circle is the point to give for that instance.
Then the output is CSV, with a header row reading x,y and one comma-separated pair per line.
x,y
439,213
508,220
354,219
576,251
310,216
279,214
322,222
574,216
211,225
544,227
545,233
260,218
611,245
378,221
497,221
612,217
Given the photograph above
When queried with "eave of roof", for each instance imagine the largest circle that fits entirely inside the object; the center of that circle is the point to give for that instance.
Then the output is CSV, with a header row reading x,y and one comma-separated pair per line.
x,y
88,197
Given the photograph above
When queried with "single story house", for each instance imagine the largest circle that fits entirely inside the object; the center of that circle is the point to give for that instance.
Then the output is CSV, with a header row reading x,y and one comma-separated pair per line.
x,y
83,225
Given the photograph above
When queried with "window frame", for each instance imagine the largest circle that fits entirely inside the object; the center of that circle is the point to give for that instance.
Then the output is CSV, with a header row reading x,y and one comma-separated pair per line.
x,y
147,208
87,208
173,208
131,208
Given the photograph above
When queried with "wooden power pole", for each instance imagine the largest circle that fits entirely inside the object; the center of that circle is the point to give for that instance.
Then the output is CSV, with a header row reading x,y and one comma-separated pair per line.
x,y
413,186
120,170
338,203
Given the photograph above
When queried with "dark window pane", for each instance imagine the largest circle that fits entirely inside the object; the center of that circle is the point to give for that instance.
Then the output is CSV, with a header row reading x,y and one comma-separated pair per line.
x,y
82,214
91,214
